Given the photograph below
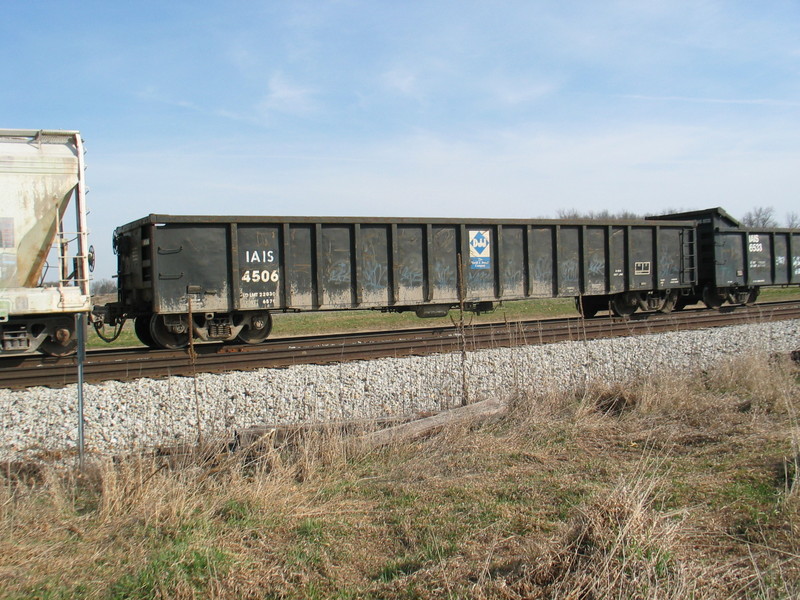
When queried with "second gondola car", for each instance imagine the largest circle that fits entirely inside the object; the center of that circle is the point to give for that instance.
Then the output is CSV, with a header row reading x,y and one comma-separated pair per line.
x,y
735,261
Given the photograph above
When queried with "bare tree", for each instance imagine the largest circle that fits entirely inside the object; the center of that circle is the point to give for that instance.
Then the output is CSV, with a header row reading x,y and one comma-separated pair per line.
x,y
761,216
568,213
600,215
793,220
103,286
625,215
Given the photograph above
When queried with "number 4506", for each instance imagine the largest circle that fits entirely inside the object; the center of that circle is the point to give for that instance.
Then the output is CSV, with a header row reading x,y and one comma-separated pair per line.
x,y
256,276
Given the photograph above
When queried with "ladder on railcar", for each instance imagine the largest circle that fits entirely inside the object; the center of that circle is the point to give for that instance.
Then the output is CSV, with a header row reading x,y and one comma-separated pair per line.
x,y
688,257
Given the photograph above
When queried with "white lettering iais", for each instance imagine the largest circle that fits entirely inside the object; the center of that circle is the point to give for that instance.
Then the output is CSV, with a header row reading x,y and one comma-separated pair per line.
x,y
258,256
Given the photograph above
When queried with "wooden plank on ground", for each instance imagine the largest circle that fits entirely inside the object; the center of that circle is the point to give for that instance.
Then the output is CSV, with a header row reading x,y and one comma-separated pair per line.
x,y
416,429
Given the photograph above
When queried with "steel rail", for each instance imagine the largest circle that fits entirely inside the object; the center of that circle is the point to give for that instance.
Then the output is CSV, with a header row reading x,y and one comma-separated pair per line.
x,y
124,364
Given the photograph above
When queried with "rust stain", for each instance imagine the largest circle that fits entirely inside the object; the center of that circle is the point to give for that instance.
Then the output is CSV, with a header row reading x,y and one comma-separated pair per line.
x,y
36,183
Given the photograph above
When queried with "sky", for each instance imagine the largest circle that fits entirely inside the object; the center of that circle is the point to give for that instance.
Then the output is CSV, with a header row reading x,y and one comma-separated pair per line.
x,y
505,109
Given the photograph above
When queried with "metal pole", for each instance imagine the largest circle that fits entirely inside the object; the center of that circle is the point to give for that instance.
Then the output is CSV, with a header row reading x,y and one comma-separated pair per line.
x,y
80,320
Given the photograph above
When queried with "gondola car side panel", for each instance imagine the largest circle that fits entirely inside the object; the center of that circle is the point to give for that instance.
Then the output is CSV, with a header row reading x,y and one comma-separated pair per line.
x,y
190,262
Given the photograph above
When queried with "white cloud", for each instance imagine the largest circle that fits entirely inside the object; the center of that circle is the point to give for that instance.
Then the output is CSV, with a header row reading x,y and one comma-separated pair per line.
x,y
283,96
521,173
700,100
242,59
151,93
401,80
526,172
513,93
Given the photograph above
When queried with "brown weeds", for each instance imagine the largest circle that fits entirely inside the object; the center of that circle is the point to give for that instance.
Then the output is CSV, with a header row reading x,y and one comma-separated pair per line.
x,y
671,487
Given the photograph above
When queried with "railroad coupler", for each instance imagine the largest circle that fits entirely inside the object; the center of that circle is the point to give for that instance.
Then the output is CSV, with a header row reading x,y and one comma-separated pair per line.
x,y
107,314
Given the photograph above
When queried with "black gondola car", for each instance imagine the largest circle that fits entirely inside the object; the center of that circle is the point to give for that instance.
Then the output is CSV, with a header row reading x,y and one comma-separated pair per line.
x,y
734,262
221,277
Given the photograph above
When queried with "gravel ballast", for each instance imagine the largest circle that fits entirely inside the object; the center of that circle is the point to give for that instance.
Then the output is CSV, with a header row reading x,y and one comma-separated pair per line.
x,y
144,413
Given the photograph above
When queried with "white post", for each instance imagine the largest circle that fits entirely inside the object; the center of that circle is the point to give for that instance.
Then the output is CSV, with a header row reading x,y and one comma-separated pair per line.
x,y
80,326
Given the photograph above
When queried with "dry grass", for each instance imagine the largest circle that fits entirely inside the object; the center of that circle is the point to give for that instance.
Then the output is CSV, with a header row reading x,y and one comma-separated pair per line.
x,y
680,487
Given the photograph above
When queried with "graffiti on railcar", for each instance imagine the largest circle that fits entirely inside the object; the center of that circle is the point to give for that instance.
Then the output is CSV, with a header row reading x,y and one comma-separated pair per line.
x,y
542,278
444,266
596,273
512,259
374,260
513,280
409,266
568,271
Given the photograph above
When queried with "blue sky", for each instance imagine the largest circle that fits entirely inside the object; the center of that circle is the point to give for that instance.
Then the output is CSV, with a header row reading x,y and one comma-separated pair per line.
x,y
391,108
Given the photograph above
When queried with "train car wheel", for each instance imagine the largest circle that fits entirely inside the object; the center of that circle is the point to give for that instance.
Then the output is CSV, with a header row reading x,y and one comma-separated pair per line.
x,y
684,301
62,342
141,327
587,307
743,296
670,302
624,305
170,336
257,329
712,297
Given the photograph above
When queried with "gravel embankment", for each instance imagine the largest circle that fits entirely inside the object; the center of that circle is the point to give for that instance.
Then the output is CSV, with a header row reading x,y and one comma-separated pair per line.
x,y
147,412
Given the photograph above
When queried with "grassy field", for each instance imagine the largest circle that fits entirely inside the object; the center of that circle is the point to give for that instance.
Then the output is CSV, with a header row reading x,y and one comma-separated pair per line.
x,y
312,323
679,488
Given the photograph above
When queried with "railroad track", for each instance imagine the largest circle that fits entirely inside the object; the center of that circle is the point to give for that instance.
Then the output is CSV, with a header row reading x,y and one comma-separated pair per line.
x,y
125,364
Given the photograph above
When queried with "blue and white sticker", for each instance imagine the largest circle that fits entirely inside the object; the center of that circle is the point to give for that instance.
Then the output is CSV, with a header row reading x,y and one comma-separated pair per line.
x,y
480,249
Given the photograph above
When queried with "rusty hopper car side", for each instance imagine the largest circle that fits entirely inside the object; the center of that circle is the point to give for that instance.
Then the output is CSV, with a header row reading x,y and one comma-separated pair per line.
x,y
230,273
41,172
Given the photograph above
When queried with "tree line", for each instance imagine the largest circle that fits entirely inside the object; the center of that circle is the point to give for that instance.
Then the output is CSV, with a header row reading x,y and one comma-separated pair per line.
x,y
762,216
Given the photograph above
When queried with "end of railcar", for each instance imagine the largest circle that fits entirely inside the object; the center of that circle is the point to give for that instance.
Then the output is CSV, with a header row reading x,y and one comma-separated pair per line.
x,y
45,258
